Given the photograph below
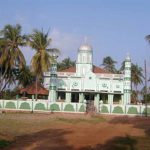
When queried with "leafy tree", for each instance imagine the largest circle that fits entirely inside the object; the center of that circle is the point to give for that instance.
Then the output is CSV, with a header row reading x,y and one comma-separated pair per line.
x,y
109,64
10,53
66,63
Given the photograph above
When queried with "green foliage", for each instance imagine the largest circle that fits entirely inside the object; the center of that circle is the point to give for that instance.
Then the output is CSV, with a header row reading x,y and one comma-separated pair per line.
x,y
40,62
109,64
4,143
25,77
146,98
66,63
7,94
136,75
11,55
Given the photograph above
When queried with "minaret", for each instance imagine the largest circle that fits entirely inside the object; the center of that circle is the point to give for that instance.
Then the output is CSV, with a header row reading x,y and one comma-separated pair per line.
x,y
127,81
53,82
84,61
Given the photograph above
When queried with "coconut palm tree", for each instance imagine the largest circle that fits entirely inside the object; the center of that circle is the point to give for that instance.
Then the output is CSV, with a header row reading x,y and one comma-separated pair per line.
x,y
41,61
136,75
11,55
122,67
109,64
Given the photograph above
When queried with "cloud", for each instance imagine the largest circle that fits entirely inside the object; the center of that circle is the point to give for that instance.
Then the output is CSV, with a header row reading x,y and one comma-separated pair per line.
x,y
68,43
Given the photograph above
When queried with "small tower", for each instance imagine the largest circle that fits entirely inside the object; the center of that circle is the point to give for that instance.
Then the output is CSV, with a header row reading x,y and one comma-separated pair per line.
x,y
84,62
53,82
127,81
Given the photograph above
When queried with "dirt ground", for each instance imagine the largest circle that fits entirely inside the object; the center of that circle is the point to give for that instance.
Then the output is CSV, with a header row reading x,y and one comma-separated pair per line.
x,y
74,132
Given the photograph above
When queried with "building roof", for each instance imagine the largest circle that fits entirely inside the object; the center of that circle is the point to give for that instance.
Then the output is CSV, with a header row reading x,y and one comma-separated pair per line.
x,y
95,70
99,70
31,89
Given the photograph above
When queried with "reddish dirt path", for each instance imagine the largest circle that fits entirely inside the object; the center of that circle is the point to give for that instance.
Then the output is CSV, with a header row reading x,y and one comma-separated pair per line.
x,y
62,135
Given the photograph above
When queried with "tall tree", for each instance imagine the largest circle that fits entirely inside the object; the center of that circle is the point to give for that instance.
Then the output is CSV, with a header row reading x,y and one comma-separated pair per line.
x,y
109,64
41,61
11,56
136,75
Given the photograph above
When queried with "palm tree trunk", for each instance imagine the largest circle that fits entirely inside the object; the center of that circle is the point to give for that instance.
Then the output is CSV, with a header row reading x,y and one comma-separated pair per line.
x,y
36,95
136,93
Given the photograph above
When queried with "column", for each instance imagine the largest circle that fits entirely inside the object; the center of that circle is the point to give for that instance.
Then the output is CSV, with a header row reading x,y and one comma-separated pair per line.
x,y
81,98
68,97
96,101
110,99
33,97
122,101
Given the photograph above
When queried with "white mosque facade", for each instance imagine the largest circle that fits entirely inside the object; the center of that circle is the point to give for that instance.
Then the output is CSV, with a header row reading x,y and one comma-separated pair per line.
x,y
86,82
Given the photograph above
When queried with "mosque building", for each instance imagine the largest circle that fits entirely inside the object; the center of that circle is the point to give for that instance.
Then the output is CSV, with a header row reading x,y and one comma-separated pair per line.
x,y
86,81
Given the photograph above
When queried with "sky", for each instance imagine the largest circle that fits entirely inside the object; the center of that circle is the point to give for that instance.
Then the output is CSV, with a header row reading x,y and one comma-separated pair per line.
x,y
112,27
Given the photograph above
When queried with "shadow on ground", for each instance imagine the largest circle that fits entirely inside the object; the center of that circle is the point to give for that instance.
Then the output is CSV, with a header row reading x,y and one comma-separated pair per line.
x,y
117,143
137,122
50,139
54,139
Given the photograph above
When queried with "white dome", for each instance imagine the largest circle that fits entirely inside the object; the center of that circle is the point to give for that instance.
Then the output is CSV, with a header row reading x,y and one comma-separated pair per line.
x,y
85,47
128,57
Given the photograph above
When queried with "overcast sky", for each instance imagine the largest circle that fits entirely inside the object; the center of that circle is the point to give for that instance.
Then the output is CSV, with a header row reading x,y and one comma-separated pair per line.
x,y
113,27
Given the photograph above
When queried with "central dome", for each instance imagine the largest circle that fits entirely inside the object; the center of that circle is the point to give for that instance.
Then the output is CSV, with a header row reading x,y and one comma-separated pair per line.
x,y
85,47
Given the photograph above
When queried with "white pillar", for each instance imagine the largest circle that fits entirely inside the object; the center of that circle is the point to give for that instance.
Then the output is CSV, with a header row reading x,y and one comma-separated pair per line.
x,y
68,97
110,99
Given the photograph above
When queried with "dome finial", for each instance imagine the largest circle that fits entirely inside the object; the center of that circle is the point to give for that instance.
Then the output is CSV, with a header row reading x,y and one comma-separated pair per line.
x,y
85,46
85,40
128,57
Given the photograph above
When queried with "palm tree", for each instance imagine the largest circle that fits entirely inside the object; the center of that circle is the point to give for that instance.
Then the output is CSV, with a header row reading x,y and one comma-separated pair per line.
x,y
109,64
122,67
41,61
66,63
11,55
136,75
39,41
